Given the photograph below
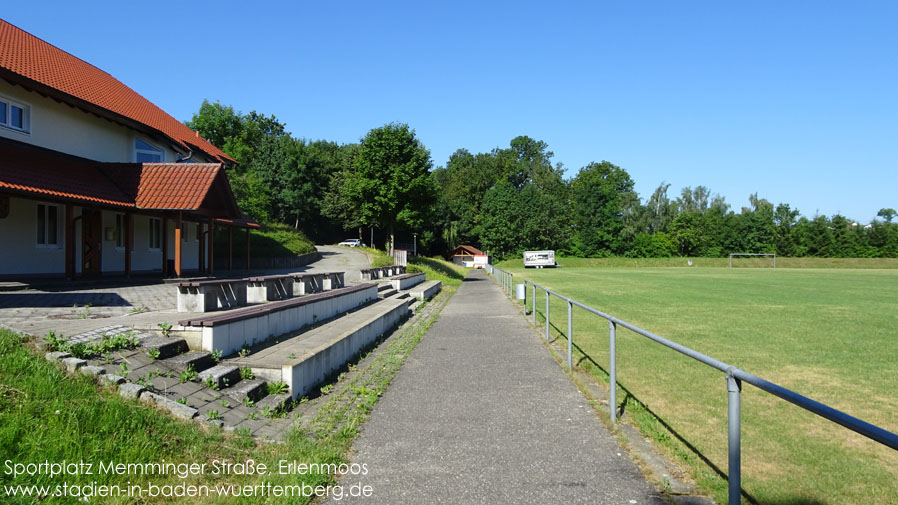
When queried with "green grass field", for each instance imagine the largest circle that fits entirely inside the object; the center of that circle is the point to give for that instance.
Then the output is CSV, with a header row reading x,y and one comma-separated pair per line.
x,y
830,334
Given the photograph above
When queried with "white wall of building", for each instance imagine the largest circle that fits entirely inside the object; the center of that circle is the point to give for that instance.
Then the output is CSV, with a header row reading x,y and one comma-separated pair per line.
x,y
69,130
20,253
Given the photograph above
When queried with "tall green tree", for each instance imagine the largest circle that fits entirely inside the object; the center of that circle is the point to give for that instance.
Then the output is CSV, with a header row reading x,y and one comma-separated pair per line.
x,y
391,180
600,193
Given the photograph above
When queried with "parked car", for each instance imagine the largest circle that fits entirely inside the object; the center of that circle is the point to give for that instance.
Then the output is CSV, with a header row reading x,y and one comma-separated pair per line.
x,y
352,242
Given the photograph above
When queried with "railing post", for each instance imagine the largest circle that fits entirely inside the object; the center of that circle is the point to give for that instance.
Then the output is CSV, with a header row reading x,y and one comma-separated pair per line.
x,y
734,413
570,337
547,315
533,303
612,370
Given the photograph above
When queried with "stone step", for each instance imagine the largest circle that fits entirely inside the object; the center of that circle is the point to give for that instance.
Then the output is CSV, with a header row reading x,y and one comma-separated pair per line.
x,y
221,375
414,306
383,287
255,389
167,346
386,294
274,402
200,360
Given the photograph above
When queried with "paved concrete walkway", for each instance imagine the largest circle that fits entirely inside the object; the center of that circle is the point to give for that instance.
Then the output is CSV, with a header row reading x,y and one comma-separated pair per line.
x,y
480,413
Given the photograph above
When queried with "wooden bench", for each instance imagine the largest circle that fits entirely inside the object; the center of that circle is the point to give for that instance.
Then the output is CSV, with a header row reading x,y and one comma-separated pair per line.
x,y
231,331
209,295
405,281
269,288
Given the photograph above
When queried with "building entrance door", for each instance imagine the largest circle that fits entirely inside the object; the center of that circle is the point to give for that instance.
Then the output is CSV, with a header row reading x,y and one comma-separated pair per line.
x,y
91,242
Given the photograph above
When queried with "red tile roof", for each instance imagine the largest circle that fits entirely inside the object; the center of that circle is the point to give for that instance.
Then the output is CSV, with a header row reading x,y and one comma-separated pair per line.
x,y
38,171
27,56
158,186
175,186
466,250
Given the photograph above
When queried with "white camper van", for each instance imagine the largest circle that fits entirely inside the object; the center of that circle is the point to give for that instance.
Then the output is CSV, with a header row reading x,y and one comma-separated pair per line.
x,y
539,259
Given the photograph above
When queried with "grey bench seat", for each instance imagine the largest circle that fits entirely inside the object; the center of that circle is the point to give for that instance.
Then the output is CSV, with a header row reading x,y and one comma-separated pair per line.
x,y
269,288
209,295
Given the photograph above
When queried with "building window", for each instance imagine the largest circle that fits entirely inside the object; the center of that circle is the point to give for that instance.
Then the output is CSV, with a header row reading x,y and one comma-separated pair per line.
x,y
15,115
47,225
120,231
146,153
155,233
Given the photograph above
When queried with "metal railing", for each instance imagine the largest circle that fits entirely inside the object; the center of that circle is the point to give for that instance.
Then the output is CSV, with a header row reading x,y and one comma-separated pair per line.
x,y
735,377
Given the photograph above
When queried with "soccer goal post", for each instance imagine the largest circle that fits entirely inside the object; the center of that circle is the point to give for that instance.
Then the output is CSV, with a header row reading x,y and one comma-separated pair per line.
x,y
754,259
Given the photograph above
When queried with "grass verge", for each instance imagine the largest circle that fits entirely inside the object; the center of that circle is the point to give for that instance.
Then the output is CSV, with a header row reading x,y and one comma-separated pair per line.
x,y
825,333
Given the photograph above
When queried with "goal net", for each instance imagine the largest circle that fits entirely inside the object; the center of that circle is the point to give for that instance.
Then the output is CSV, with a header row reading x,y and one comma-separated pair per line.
x,y
752,260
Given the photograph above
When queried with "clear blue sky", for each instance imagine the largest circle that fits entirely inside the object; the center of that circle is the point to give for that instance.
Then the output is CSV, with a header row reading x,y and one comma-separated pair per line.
x,y
795,100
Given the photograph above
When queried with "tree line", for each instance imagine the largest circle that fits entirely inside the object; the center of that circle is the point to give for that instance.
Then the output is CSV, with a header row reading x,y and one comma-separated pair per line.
x,y
505,201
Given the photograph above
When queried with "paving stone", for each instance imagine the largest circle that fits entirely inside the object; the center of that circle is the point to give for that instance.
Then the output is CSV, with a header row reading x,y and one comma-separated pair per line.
x,y
93,370
56,355
252,424
164,383
217,422
185,388
206,395
232,417
131,390
73,364
111,379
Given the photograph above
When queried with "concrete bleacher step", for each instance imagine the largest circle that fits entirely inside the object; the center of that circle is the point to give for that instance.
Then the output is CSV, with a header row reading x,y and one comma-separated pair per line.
x,y
201,360
220,375
414,306
386,293
320,350
255,389
274,402
166,346
384,286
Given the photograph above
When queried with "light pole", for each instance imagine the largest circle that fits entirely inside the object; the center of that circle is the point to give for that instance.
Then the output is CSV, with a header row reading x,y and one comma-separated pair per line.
x,y
415,250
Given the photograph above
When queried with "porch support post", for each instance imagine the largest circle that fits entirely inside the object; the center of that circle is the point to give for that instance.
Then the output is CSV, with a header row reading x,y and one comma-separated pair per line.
x,y
69,241
247,248
230,248
211,243
200,248
179,222
164,245
127,242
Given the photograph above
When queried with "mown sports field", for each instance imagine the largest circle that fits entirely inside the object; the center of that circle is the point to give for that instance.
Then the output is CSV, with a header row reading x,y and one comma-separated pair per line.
x,y
828,333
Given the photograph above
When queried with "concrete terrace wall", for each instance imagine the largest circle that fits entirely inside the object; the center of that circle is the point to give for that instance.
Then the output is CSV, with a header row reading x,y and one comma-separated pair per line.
x,y
231,337
331,352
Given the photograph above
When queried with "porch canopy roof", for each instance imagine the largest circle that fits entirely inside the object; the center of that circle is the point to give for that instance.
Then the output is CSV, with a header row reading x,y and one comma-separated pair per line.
x,y
200,189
